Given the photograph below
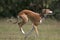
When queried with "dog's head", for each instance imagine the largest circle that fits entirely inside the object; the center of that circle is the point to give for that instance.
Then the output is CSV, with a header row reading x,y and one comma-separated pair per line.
x,y
47,11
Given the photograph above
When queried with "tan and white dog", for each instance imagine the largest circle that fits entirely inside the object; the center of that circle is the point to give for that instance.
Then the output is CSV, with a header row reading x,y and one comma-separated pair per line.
x,y
35,18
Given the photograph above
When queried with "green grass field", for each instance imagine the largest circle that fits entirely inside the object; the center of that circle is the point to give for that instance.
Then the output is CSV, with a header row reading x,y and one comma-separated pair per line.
x,y
48,30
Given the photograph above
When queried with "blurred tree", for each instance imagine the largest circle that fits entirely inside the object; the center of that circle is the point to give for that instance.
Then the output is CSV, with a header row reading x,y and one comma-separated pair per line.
x,y
10,8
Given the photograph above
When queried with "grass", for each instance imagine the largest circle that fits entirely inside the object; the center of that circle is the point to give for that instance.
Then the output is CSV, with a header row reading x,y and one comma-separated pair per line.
x,y
48,30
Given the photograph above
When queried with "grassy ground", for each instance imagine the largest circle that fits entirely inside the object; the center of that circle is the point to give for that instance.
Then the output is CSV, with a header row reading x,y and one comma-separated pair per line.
x,y
48,30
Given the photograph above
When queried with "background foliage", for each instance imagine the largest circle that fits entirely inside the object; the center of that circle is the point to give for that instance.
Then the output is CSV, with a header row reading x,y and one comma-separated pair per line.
x,y
10,8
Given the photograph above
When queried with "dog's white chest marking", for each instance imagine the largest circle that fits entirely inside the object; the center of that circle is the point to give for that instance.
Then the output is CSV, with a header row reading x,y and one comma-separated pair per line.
x,y
40,20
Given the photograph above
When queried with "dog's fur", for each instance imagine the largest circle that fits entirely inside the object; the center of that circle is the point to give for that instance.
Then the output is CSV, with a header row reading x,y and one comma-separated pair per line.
x,y
35,18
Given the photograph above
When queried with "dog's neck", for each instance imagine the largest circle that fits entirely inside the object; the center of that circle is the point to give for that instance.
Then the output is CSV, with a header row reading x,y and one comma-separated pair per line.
x,y
41,15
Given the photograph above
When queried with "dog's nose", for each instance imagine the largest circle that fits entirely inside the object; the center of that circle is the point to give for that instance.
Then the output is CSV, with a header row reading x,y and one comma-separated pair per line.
x,y
51,11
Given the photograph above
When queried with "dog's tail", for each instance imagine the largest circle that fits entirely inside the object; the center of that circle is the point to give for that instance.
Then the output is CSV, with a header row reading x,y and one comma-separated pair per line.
x,y
17,20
